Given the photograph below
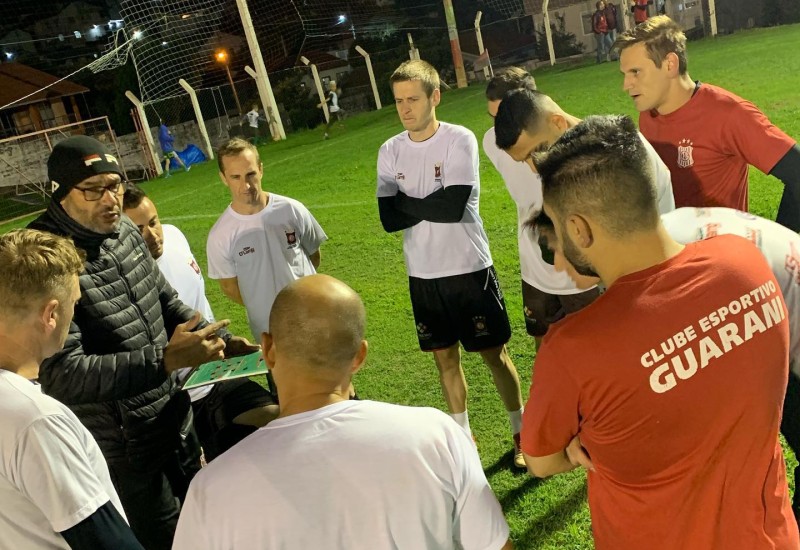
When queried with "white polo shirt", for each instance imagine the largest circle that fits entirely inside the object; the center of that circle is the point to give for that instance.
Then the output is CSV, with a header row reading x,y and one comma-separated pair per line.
x,y
450,157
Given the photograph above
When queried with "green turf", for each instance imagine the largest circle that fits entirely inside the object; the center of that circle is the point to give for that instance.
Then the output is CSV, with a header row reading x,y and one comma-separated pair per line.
x,y
336,180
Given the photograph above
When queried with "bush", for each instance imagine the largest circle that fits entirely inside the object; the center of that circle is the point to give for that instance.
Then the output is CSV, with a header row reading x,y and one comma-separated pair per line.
x,y
564,43
297,101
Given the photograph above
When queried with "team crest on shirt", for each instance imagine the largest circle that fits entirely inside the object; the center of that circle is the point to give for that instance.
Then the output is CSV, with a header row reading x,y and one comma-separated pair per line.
x,y
479,322
793,263
437,172
193,265
685,152
399,176
291,239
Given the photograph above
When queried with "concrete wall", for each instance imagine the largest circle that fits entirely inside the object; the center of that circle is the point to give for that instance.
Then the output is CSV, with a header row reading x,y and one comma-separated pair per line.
x,y
25,159
686,13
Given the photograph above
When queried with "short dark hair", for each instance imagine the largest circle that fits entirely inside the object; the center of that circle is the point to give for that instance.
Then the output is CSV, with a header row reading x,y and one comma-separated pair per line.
x,y
601,168
511,78
521,109
134,195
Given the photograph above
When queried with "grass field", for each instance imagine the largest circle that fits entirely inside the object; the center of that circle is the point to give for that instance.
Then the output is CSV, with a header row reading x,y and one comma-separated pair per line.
x,y
336,180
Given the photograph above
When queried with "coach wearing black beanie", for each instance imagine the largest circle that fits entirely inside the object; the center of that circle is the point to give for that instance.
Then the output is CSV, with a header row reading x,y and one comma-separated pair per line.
x,y
129,334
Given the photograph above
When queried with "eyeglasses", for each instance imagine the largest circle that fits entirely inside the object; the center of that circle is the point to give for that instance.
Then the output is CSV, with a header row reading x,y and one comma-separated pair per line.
x,y
96,193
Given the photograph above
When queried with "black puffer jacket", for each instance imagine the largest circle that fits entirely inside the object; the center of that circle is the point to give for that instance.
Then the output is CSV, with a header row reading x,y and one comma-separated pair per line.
x,y
110,371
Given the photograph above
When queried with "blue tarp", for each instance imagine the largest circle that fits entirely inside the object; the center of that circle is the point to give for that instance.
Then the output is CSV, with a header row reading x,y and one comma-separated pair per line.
x,y
191,155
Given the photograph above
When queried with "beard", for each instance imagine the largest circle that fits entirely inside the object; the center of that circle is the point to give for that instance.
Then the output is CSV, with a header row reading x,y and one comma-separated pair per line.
x,y
576,258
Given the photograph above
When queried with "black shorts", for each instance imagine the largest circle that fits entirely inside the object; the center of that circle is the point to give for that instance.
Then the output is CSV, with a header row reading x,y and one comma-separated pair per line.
x,y
465,308
214,414
542,309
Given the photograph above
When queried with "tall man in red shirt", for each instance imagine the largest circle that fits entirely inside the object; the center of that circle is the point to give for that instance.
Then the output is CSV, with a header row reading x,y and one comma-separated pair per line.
x,y
678,400
706,135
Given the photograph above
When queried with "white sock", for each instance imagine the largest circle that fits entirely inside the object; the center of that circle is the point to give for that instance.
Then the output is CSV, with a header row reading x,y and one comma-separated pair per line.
x,y
463,420
515,417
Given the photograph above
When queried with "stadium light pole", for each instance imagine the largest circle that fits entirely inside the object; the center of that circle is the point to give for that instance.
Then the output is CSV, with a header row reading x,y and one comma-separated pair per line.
x,y
222,57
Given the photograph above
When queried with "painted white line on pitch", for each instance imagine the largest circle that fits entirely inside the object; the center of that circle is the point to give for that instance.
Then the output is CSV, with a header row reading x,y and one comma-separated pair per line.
x,y
312,207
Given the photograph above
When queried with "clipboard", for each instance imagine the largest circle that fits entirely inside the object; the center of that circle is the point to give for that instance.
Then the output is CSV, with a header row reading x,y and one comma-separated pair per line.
x,y
226,369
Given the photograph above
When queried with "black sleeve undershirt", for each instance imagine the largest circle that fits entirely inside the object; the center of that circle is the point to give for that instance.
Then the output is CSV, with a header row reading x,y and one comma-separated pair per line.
x,y
105,529
788,171
445,205
393,219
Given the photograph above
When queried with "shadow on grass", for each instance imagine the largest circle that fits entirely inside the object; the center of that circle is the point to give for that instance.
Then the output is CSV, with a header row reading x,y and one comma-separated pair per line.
x,y
508,499
505,462
556,519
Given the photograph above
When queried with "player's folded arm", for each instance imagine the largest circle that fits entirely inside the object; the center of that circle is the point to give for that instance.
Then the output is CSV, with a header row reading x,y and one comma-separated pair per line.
x,y
788,171
392,218
550,465
445,205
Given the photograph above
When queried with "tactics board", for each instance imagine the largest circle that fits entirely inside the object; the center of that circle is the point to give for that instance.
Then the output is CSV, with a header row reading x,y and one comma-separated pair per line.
x,y
227,369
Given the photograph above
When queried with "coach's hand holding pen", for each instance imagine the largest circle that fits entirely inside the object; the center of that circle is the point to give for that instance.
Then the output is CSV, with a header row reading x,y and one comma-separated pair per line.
x,y
191,348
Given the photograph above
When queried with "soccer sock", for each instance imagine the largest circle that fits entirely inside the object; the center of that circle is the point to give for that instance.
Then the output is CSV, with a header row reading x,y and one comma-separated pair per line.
x,y
515,417
463,420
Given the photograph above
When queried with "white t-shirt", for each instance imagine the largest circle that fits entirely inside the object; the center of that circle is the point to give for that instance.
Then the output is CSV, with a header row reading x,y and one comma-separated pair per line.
x,y
252,118
355,474
449,157
182,272
52,475
334,106
265,251
779,245
525,187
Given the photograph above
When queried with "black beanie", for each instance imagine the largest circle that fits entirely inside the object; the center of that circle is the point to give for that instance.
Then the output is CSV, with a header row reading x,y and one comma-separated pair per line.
x,y
76,159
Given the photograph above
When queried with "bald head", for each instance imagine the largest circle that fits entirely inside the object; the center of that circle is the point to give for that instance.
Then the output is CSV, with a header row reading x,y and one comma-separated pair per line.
x,y
319,322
